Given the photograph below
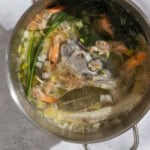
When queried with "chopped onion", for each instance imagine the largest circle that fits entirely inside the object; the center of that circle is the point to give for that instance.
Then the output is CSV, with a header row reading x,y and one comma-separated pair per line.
x,y
26,45
101,78
107,84
106,99
88,57
96,125
42,58
94,49
65,125
37,35
38,79
26,34
45,75
38,64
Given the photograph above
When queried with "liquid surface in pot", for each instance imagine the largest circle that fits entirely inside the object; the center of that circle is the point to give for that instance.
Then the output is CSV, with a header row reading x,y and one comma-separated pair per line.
x,y
81,63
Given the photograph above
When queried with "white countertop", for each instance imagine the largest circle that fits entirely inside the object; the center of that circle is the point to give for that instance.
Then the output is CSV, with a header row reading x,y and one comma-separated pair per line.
x,y
16,132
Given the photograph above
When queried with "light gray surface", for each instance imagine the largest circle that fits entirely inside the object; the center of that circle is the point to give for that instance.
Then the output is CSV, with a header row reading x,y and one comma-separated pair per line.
x,y
16,132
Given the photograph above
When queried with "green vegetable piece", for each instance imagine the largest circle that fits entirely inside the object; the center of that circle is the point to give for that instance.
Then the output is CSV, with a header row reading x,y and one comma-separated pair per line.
x,y
24,66
82,40
30,53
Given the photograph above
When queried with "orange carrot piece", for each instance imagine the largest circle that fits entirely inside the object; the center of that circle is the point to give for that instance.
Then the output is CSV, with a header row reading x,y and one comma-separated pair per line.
x,y
136,60
119,47
38,94
48,99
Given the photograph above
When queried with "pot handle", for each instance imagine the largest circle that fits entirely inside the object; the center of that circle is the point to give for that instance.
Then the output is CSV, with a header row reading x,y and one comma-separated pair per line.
x,y
135,144
136,138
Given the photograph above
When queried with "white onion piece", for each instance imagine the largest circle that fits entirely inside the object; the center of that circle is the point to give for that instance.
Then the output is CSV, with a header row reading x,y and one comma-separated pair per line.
x,y
94,49
26,34
38,64
42,58
38,79
37,35
106,99
26,45
96,125
88,57
45,75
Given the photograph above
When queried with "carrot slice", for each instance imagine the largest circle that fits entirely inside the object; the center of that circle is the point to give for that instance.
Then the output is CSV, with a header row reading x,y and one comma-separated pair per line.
x,y
136,60
119,47
41,96
48,99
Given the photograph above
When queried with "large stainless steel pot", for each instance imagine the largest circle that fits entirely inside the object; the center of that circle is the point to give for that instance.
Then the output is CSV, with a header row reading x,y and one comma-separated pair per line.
x,y
19,98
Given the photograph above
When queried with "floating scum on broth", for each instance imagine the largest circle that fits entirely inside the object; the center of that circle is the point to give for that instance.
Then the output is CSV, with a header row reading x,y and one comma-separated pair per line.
x,y
82,69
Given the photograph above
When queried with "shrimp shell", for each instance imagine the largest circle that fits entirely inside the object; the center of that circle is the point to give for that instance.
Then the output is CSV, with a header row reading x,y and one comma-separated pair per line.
x,y
40,21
